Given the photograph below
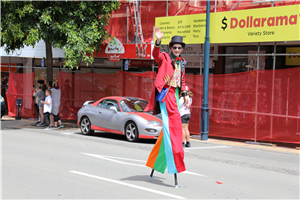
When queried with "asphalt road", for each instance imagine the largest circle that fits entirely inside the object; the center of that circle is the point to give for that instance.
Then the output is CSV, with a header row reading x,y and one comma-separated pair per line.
x,y
63,164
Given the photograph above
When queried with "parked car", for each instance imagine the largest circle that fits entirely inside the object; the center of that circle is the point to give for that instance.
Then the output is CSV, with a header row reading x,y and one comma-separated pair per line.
x,y
3,106
120,115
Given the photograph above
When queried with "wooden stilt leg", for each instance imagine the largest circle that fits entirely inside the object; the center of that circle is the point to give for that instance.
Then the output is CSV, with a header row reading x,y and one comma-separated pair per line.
x,y
176,183
151,175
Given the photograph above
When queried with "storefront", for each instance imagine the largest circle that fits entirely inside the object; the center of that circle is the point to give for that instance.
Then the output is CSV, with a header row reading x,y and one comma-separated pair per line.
x,y
244,40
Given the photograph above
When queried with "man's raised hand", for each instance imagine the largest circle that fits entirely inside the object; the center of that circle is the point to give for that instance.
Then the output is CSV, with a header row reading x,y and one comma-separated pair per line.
x,y
159,35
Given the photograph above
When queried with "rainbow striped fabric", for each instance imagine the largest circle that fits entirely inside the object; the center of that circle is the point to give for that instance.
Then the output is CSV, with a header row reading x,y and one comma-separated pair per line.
x,y
168,151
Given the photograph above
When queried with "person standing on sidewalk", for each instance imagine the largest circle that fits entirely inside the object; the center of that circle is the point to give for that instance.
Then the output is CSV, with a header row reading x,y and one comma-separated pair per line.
x,y
185,112
49,85
167,151
47,109
41,97
56,94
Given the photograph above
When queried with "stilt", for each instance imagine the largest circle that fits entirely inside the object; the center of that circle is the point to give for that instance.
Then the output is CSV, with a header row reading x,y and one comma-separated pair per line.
x,y
151,174
176,183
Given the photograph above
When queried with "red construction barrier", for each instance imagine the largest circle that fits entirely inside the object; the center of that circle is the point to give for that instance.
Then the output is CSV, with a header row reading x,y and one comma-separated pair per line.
x,y
78,88
258,105
20,86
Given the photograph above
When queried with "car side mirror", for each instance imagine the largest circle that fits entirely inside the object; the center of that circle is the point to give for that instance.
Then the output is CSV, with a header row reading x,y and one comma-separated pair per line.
x,y
113,108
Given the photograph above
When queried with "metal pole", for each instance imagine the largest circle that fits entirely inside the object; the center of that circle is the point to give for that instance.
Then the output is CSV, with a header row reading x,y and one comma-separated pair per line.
x,y
272,100
215,5
236,5
137,19
127,10
201,59
256,95
167,9
205,108
9,64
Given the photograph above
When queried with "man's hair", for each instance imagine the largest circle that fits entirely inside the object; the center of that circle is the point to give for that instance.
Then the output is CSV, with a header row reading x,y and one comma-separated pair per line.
x,y
55,85
50,83
44,87
49,91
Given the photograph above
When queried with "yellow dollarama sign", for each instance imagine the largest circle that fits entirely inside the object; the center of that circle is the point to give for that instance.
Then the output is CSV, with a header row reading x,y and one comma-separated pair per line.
x,y
254,25
292,59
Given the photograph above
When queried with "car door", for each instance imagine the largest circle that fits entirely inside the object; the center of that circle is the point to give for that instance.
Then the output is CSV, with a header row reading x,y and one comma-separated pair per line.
x,y
108,118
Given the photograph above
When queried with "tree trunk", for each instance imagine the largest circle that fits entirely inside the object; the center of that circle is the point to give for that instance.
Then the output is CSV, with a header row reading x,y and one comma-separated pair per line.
x,y
49,58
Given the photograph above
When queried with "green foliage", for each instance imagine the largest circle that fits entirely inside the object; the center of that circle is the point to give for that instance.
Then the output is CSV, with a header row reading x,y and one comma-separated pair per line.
x,y
77,27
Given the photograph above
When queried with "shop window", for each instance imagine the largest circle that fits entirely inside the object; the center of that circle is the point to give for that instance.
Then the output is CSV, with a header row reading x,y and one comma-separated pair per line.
x,y
237,63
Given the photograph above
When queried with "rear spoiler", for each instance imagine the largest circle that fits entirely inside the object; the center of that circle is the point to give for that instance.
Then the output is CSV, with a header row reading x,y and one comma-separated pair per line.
x,y
88,102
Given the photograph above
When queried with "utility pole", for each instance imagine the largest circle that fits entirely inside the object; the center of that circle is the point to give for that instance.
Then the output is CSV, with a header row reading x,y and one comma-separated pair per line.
x,y
205,109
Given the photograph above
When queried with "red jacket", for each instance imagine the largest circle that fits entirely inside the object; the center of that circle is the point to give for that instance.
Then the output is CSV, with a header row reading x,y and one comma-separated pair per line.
x,y
166,68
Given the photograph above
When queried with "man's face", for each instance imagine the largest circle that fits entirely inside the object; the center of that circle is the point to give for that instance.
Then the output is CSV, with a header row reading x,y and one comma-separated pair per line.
x,y
177,49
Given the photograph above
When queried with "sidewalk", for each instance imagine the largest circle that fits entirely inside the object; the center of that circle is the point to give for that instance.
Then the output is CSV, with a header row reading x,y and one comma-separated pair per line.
x,y
31,123
72,125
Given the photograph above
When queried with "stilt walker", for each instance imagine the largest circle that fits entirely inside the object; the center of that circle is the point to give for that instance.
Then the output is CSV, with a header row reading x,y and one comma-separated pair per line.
x,y
168,151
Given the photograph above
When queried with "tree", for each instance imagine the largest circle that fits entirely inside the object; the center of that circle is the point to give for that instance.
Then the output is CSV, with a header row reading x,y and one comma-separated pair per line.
x,y
76,27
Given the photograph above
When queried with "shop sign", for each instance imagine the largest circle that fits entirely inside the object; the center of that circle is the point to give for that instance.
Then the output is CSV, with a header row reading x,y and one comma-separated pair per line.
x,y
194,49
292,59
140,63
254,25
5,68
114,50
194,62
141,51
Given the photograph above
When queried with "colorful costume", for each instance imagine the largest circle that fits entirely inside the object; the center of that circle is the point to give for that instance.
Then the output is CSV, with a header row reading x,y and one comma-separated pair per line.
x,y
168,150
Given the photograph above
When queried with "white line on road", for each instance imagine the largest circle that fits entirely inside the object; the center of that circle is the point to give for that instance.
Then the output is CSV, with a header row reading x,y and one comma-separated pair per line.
x,y
129,185
117,161
115,157
212,147
126,163
67,133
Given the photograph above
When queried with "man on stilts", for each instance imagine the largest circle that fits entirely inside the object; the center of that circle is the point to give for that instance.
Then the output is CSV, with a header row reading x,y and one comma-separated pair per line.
x,y
168,151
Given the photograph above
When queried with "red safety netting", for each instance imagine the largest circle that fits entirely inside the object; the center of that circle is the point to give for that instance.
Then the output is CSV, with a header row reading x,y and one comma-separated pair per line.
x,y
234,111
20,86
78,88
149,10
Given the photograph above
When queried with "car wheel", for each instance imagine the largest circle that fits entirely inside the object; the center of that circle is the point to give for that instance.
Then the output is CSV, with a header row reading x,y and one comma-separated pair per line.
x,y
131,132
85,126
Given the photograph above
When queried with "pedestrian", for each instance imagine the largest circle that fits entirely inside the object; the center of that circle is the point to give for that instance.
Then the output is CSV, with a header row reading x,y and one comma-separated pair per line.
x,y
56,95
47,109
41,97
185,113
167,151
36,108
49,85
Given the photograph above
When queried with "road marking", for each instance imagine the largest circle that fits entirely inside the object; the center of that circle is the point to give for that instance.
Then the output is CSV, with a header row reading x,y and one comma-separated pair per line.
x,y
212,147
115,157
129,185
193,173
126,163
104,157
67,133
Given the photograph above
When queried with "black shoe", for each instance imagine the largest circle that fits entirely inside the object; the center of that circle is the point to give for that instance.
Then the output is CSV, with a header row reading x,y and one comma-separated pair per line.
x,y
183,145
188,145
41,124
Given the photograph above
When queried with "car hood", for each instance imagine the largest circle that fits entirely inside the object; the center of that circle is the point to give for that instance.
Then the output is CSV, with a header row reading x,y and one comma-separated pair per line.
x,y
146,116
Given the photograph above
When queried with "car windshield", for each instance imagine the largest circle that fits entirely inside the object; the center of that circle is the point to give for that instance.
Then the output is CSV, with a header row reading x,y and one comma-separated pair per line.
x,y
133,105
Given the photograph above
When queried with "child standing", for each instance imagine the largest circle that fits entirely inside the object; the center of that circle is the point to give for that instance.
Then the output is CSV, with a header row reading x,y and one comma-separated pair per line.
x,y
47,109
185,112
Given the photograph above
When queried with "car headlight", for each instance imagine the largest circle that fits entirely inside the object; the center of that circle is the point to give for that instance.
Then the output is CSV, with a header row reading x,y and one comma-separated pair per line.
x,y
154,123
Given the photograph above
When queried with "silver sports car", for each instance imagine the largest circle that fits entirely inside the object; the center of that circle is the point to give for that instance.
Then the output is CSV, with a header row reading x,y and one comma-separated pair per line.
x,y
121,115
